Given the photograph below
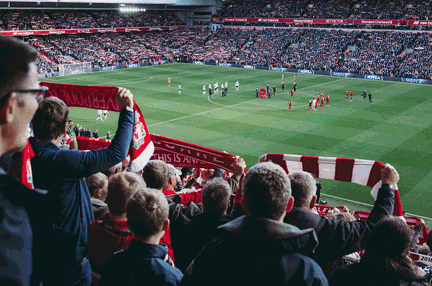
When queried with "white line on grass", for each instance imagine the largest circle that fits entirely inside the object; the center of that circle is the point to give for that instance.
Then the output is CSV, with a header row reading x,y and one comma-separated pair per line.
x,y
187,116
369,205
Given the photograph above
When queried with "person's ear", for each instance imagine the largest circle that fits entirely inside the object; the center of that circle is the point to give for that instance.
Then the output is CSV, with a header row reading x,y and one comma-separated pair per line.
x,y
99,193
166,225
8,109
290,204
312,202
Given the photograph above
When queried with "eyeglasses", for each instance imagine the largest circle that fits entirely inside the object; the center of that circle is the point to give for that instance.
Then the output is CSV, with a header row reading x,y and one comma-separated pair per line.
x,y
40,92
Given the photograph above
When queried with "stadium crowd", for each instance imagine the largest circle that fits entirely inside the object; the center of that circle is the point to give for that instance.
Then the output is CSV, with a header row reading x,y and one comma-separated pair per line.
x,y
397,54
335,9
67,19
91,221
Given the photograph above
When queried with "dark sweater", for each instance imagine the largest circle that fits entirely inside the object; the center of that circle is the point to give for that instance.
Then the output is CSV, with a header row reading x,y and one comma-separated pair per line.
x,y
62,173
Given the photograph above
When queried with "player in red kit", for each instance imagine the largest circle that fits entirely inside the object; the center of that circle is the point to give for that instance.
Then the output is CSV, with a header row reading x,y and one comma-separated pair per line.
x,y
351,94
318,97
169,81
316,104
310,104
328,99
347,94
289,109
322,102
292,93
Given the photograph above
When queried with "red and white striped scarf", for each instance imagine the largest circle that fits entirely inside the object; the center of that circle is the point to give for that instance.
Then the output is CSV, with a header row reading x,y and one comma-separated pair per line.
x,y
362,172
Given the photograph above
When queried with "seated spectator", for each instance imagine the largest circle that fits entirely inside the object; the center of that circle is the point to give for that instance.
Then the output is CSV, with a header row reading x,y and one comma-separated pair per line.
x,y
189,239
112,233
337,238
98,188
145,261
385,261
158,175
259,248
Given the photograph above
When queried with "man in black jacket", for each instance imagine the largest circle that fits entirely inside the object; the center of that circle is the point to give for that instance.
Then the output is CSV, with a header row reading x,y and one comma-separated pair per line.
x,y
259,248
337,238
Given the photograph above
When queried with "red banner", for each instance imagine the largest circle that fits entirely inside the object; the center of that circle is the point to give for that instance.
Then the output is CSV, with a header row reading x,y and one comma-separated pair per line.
x,y
183,154
323,21
85,31
175,152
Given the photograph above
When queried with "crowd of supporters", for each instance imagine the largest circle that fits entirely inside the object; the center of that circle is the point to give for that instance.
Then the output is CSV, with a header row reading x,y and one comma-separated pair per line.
x,y
339,9
398,54
92,221
67,19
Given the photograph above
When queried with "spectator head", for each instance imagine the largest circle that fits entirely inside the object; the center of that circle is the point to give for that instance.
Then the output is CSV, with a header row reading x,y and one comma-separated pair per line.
x,y
49,122
172,174
156,174
344,216
267,192
389,242
113,170
216,196
147,213
98,186
122,187
18,75
303,187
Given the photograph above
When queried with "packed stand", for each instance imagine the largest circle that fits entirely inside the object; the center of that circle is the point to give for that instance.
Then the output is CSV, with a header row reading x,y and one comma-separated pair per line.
x,y
68,19
339,9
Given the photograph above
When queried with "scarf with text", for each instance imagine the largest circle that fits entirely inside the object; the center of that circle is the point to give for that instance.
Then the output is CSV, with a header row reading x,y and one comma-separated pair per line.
x,y
104,97
175,152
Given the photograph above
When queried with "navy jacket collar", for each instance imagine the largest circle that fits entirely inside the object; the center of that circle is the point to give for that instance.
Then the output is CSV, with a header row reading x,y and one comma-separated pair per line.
x,y
148,250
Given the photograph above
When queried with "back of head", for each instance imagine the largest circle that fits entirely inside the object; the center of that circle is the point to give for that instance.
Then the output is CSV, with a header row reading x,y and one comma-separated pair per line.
x,y
50,119
344,216
156,174
387,247
122,187
113,170
96,182
266,191
391,237
147,211
303,187
15,60
216,196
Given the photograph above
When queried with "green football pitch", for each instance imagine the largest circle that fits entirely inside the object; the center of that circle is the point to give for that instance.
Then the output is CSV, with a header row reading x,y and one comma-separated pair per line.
x,y
395,128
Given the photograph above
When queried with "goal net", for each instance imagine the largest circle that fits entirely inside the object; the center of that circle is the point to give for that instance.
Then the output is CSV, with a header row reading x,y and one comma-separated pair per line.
x,y
68,69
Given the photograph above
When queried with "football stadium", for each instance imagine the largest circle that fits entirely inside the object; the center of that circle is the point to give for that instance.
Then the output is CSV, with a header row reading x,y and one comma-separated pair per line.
x,y
196,126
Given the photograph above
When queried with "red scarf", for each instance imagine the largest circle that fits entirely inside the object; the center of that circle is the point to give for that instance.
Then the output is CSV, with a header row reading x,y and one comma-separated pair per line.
x,y
175,152
104,97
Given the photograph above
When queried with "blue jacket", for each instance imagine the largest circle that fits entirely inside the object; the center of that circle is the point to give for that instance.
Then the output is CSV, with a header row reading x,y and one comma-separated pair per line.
x,y
62,173
140,264
257,251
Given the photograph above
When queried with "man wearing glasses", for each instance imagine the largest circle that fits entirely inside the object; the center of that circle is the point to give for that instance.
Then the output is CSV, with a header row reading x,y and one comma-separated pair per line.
x,y
19,96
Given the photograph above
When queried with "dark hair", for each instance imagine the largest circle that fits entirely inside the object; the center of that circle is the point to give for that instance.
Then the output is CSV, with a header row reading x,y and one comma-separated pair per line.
x,y
266,191
156,174
50,119
215,196
15,58
388,246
